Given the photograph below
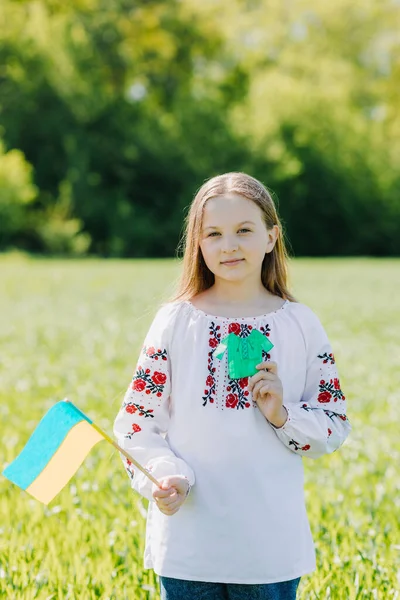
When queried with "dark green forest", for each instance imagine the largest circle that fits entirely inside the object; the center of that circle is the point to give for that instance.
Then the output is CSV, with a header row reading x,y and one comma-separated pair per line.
x,y
114,112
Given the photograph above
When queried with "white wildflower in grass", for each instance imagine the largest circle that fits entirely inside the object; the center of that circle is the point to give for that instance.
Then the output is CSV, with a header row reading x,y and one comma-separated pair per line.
x,y
149,588
10,442
111,538
84,515
41,578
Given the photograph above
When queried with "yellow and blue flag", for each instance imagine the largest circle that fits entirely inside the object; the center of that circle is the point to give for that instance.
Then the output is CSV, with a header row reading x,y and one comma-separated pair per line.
x,y
54,452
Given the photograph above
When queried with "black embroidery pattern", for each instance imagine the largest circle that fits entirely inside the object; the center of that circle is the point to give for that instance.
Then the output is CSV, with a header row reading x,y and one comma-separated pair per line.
x,y
215,338
327,357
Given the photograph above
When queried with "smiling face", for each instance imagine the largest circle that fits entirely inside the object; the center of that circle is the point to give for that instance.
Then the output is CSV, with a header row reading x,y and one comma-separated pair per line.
x,y
233,229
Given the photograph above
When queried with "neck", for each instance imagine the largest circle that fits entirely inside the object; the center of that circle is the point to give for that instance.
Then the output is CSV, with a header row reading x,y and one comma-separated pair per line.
x,y
238,293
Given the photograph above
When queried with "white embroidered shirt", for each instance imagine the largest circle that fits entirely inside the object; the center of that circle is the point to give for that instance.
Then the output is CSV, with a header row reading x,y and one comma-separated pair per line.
x,y
244,520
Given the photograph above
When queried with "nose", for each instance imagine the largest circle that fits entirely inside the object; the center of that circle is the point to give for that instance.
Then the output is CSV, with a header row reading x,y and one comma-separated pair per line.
x,y
229,244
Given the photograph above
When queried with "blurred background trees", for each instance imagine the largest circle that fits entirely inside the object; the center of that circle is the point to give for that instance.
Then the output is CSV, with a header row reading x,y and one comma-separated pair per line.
x,y
114,112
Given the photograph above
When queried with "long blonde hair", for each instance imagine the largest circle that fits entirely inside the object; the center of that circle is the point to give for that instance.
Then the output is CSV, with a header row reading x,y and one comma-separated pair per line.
x,y
196,276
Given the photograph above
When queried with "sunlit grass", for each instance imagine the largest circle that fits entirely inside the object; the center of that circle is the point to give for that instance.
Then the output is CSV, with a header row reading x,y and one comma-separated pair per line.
x,y
74,329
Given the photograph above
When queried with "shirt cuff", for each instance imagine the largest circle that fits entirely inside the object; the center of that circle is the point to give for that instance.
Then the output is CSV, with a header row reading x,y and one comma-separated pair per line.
x,y
282,427
169,467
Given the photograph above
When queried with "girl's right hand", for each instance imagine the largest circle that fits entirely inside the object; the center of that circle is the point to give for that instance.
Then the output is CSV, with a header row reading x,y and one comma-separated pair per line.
x,y
173,494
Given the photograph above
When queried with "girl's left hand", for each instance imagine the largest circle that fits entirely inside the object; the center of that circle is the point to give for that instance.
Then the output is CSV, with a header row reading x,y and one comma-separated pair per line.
x,y
268,393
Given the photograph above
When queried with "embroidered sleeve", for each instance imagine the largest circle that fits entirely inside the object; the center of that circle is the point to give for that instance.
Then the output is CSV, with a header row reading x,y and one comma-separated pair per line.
x,y
142,421
318,424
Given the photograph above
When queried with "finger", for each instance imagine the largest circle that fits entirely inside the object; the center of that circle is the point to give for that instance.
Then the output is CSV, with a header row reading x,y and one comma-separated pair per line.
x,y
257,388
170,500
173,506
163,493
172,494
264,390
271,366
170,513
176,506
262,375
169,510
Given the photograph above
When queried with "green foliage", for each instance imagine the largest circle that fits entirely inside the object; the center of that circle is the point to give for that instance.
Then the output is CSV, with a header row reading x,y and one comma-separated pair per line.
x,y
316,112
59,233
74,329
132,105
16,192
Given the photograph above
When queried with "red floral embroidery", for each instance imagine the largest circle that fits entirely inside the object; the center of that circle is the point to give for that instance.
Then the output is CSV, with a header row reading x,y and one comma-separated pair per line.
x,y
152,384
297,446
265,330
234,328
159,378
330,390
324,397
232,400
135,429
132,408
327,357
241,330
215,338
151,352
333,415
243,382
329,413
238,394
138,385
128,467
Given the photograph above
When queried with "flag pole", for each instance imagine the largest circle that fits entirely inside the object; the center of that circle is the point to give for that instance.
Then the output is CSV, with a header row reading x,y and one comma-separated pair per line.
x,y
124,452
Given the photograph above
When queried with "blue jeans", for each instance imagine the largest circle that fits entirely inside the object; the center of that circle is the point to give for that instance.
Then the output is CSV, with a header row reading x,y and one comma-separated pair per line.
x,y
180,589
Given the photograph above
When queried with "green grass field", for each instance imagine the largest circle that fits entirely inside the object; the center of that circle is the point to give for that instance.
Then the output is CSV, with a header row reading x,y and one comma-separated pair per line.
x,y
74,329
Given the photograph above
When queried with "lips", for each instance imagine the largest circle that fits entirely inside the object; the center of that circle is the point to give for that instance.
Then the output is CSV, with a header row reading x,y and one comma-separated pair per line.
x,y
232,261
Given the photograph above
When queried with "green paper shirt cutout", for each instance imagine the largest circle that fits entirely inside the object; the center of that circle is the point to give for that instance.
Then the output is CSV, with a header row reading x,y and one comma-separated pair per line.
x,y
243,353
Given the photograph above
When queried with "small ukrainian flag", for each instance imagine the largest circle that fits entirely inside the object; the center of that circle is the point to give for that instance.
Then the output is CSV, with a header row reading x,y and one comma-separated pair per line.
x,y
54,452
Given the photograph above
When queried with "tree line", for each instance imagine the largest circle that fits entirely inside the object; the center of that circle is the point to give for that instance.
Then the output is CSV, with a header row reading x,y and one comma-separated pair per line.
x,y
112,114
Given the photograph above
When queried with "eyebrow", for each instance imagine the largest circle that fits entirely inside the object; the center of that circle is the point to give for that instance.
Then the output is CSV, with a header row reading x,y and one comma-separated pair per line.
x,y
215,227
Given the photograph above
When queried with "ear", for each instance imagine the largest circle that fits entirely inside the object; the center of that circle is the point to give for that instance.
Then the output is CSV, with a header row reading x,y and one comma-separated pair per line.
x,y
272,237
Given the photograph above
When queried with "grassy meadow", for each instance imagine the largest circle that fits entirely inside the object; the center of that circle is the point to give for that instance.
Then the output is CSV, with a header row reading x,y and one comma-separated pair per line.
x,y
74,329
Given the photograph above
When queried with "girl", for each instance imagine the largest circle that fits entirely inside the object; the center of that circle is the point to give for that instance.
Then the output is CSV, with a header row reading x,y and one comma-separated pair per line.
x,y
235,383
